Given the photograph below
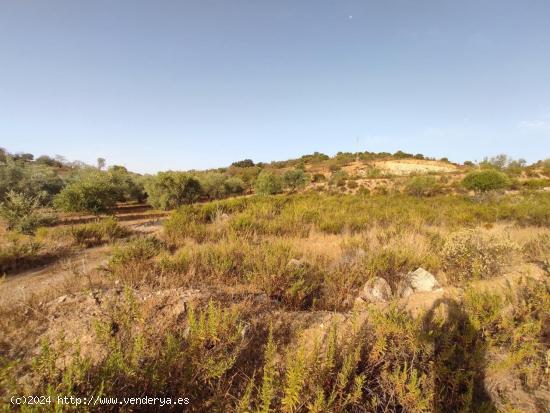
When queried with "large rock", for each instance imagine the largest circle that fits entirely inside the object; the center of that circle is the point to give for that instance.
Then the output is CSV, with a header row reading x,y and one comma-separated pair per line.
x,y
376,290
418,281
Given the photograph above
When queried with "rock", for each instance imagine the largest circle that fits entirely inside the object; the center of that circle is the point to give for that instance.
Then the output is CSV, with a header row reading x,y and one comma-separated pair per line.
x,y
417,281
244,331
376,290
62,299
179,309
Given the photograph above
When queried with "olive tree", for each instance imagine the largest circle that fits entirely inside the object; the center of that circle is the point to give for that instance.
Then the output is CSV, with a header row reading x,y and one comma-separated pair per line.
x,y
171,189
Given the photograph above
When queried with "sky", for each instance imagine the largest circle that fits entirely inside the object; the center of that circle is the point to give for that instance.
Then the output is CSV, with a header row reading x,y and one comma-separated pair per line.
x,y
166,84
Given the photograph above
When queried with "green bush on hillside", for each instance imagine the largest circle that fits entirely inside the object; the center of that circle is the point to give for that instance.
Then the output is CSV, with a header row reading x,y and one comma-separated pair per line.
x,y
268,183
93,192
295,179
171,189
422,186
20,213
485,180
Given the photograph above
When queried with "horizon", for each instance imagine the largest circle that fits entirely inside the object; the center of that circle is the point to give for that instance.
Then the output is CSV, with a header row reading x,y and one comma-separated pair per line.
x,y
199,85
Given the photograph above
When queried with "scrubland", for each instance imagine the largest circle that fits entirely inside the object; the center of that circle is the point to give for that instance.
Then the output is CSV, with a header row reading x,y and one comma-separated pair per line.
x,y
256,303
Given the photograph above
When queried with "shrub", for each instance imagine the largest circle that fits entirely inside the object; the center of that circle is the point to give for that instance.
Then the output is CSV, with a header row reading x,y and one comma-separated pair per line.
x,y
96,233
171,189
339,178
234,186
470,254
318,178
486,180
34,180
294,179
92,192
422,186
17,251
20,213
127,184
245,163
268,183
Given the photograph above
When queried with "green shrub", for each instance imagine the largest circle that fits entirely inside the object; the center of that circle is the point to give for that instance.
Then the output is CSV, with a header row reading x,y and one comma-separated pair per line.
x,y
139,249
268,183
96,233
295,179
92,192
168,190
469,254
485,180
339,178
128,185
20,213
422,186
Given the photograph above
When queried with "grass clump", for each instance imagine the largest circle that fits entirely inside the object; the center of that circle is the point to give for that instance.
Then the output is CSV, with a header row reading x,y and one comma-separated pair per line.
x,y
95,233
469,254
422,186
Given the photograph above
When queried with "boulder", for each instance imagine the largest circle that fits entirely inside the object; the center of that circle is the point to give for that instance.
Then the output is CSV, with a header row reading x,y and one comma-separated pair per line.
x,y
418,281
376,290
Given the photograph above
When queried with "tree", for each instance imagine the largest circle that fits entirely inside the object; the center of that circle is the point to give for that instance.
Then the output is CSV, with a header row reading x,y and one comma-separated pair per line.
x,y
213,185
171,189
234,186
295,179
268,183
127,184
48,161
245,163
100,163
29,178
91,192
485,180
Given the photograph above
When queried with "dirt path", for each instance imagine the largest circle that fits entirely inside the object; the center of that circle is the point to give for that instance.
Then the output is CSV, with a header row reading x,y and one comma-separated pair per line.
x,y
41,282
45,281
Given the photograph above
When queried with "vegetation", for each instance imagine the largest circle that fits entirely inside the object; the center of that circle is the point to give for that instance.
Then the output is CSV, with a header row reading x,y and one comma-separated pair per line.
x,y
268,183
486,180
172,189
20,213
261,303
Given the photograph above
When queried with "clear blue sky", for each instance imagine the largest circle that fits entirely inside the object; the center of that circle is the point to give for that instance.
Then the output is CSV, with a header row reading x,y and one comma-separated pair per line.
x,y
194,84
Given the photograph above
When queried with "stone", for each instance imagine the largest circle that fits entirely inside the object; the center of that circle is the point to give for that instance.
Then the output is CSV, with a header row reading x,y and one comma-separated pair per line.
x,y
417,281
62,299
376,289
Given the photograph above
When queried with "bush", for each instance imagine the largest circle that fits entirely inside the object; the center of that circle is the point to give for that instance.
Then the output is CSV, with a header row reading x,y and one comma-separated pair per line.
x,y
339,178
234,186
422,186
171,189
20,213
471,255
35,180
295,179
487,180
318,178
245,163
17,251
127,184
92,192
268,183
96,233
